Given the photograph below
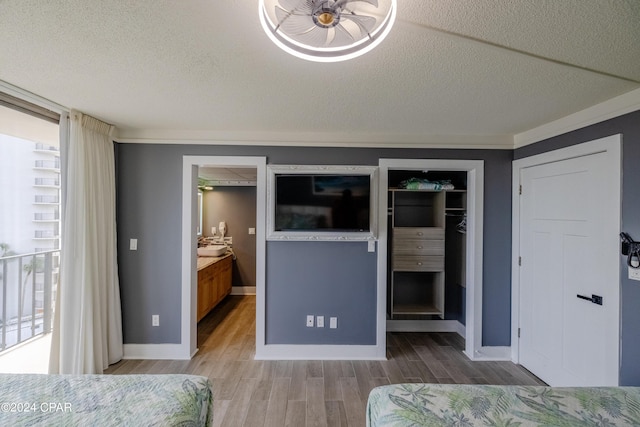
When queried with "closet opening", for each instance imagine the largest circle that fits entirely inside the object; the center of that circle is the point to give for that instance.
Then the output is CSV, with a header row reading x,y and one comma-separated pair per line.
x,y
426,256
455,302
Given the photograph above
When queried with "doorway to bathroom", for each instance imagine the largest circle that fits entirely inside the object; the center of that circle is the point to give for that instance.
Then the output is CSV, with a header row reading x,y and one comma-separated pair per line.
x,y
227,219
227,191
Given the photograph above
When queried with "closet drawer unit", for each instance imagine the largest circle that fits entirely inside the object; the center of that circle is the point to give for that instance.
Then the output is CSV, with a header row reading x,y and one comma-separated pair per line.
x,y
429,233
418,247
418,263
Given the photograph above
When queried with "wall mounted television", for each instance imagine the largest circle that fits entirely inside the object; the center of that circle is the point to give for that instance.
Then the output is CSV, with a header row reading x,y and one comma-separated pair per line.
x,y
322,203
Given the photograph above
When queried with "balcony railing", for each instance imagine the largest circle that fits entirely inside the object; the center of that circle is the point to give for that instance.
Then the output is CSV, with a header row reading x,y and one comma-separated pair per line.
x,y
28,285
47,182
48,164
45,234
46,216
47,199
44,147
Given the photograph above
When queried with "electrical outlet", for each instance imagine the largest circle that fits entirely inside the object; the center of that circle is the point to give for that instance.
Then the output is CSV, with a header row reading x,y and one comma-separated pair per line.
x,y
333,322
310,321
155,320
320,321
634,273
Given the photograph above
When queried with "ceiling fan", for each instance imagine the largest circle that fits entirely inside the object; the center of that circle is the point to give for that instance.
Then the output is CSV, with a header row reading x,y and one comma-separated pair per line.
x,y
327,30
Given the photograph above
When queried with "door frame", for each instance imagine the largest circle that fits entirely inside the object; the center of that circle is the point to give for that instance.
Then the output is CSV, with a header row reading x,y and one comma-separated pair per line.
x,y
612,147
189,324
475,209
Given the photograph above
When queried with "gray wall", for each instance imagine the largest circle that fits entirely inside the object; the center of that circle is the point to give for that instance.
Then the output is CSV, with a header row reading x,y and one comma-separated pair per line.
x,y
322,285
629,126
149,208
237,207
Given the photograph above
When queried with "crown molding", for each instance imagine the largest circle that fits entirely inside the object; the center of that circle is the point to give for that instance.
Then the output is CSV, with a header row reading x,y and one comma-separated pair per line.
x,y
313,139
606,110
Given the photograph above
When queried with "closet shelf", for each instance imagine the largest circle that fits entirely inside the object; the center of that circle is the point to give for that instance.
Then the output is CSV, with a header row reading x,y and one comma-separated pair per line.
x,y
422,309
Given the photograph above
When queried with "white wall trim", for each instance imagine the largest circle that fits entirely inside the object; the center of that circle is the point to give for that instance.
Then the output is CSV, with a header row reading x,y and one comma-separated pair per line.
x,y
189,277
426,326
320,352
496,353
606,110
313,139
613,146
155,351
475,212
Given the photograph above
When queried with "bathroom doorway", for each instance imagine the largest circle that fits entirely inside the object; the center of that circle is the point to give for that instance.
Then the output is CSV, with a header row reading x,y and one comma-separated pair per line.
x,y
228,217
224,170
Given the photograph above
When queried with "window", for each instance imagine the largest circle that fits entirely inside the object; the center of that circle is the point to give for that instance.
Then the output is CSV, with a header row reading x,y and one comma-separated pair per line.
x,y
29,219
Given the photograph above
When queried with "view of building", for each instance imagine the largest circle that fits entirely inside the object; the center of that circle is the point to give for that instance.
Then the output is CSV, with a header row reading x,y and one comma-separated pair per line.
x,y
29,224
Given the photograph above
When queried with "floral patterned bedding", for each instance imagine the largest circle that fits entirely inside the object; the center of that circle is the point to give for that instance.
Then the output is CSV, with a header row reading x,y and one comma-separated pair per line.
x,y
485,405
105,400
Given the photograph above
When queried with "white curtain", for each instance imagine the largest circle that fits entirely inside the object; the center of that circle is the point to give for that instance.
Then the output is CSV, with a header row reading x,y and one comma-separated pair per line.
x,y
87,332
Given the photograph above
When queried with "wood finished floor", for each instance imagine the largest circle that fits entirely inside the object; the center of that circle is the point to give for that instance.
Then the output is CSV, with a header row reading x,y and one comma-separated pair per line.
x,y
248,392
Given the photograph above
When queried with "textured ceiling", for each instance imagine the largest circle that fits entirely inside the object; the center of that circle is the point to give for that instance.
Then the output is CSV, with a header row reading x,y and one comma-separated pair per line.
x,y
455,71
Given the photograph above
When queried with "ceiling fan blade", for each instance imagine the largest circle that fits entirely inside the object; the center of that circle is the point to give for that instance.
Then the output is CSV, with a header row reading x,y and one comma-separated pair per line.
x,y
293,23
365,23
341,37
371,2
302,6
317,37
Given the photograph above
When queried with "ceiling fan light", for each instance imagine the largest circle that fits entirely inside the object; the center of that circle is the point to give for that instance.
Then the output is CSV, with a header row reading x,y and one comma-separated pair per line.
x,y
307,28
326,19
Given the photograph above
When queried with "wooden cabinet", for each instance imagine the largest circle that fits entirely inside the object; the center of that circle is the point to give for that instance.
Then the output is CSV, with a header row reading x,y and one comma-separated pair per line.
x,y
214,283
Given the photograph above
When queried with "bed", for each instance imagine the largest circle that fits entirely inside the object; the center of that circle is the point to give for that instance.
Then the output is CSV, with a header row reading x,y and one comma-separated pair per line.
x,y
105,400
487,405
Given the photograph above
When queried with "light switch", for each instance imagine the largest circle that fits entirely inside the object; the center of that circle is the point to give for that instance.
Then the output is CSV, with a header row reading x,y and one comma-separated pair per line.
x,y
252,231
133,244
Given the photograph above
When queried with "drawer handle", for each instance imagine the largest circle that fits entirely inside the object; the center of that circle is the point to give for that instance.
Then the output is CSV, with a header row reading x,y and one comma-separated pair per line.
x,y
419,263
419,233
419,247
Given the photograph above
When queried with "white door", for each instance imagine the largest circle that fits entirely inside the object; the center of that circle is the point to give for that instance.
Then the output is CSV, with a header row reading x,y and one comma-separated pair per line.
x,y
568,254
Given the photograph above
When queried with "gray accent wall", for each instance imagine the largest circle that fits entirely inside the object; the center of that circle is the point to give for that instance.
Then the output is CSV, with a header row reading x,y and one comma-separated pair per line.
x,y
149,191
629,126
149,208
316,281
237,207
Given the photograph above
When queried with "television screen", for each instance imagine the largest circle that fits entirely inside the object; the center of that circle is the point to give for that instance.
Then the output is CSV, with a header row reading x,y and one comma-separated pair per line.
x,y
322,202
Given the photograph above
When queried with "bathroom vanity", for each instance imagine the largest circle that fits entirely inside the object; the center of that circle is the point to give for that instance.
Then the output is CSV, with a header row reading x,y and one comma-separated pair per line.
x,y
214,282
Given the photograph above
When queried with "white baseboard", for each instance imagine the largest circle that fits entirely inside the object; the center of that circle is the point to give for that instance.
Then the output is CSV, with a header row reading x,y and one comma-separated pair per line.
x,y
156,351
243,290
496,353
319,352
426,326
